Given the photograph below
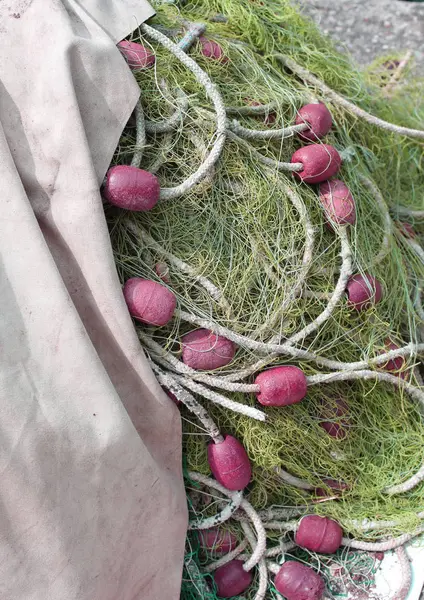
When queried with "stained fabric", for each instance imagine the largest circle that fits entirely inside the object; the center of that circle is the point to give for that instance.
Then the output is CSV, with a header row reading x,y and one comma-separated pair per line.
x,y
92,504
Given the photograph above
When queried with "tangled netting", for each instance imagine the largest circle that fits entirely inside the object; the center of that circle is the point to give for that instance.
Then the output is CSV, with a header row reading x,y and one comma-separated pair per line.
x,y
247,249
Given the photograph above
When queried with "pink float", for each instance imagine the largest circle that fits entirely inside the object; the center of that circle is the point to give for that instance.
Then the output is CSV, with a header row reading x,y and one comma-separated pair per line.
x,y
149,302
131,188
296,581
212,50
205,351
136,55
337,202
281,386
363,291
231,579
318,118
229,463
320,162
319,534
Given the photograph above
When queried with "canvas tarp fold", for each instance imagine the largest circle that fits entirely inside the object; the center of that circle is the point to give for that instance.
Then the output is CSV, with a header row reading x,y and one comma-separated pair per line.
x,y
92,504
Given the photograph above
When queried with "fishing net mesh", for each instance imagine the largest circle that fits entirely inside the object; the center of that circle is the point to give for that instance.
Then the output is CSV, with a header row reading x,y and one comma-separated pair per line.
x,y
240,229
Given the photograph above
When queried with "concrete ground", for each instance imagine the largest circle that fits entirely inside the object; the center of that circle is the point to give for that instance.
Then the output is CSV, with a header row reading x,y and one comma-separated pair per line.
x,y
369,28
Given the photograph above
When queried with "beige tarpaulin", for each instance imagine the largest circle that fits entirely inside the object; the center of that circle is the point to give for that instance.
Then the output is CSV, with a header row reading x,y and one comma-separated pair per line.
x,y
92,505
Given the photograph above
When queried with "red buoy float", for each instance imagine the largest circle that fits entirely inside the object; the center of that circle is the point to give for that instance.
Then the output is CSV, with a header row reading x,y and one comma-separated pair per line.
x,y
205,351
229,463
211,49
363,291
149,301
231,579
320,162
131,188
319,534
337,202
296,581
137,56
281,386
319,121
218,541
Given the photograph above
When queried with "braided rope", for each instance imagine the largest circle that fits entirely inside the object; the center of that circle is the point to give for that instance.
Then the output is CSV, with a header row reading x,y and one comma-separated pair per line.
x,y
414,392
259,109
248,411
248,509
417,249
292,480
281,525
214,95
227,558
270,162
262,568
226,513
268,347
266,134
187,399
140,142
391,544
307,77
339,290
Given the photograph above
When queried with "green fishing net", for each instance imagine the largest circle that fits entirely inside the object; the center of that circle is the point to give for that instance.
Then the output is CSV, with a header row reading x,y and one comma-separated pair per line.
x,y
241,230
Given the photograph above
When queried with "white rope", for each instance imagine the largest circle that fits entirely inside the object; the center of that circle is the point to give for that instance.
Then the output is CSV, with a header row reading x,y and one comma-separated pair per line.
x,y
368,525
226,513
227,558
270,162
339,290
252,110
306,76
248,509
140,142
262,568
214,95
197,388
414,392
266,134
187,399
382,546
286,349
292,480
